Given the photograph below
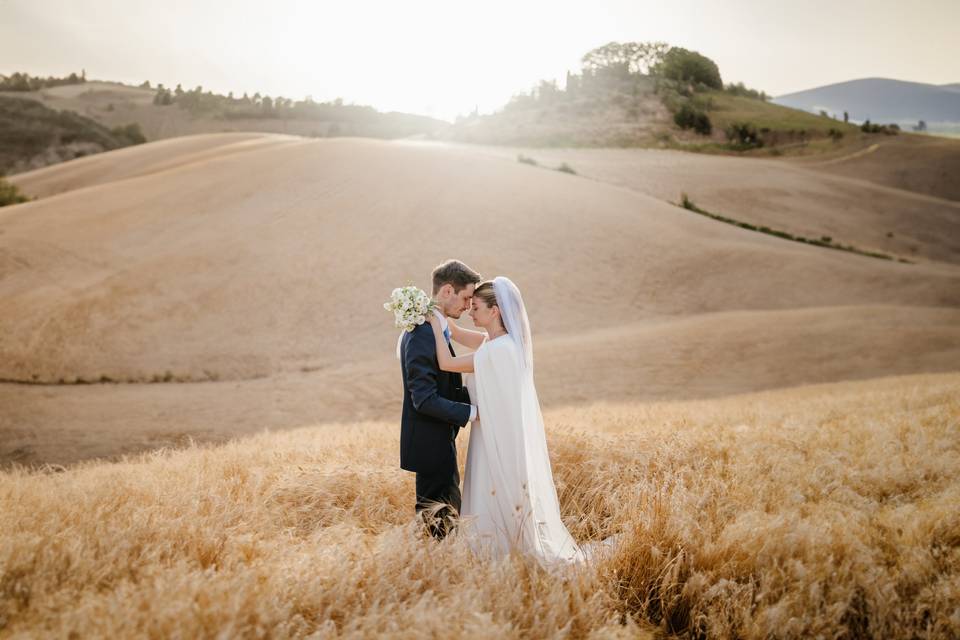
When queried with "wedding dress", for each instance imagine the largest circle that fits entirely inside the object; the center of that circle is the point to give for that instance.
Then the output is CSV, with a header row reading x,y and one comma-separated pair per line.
x,y
509,496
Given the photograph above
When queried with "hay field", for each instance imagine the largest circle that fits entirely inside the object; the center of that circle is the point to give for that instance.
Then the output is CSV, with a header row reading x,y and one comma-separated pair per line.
x,y
818,511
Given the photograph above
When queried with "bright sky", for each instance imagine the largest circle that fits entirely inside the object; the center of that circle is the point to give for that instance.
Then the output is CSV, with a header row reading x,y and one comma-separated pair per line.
x,y
443,58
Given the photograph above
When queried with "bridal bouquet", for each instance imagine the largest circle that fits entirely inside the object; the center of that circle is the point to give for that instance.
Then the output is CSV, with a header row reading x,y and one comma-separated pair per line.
x,y
410,306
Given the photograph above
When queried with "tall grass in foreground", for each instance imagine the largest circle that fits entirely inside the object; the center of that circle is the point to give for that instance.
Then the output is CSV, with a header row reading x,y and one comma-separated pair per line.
x,y
825,511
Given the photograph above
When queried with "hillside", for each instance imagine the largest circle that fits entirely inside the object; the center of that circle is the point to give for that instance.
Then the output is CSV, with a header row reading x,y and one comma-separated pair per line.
x,y
884,100
807,198
33,135
222,284
612,113
113,104
631,111
926,165
604,110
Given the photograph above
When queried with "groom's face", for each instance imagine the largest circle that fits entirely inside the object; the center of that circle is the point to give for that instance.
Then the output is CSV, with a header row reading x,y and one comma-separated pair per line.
x,y
459,301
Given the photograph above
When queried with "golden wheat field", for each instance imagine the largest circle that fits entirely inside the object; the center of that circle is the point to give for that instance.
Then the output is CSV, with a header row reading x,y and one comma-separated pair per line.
x,y
823,511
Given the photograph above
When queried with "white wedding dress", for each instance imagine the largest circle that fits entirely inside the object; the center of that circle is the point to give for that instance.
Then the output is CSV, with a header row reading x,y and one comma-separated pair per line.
x,y
509,496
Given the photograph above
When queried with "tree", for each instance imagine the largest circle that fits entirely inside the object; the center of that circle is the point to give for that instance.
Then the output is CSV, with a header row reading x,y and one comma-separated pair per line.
x,y
846,117
689,66
624,58
612,57
646,55
162,97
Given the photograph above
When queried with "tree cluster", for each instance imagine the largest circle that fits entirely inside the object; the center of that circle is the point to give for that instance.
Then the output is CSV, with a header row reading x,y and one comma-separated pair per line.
x,y
25,82
197,101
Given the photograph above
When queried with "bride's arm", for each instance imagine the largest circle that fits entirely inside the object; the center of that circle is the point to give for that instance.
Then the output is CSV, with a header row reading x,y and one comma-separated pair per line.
x,y
460,364
467,337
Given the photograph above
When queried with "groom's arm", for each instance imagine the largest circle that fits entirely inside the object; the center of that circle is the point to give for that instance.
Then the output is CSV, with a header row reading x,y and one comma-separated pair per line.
x,y
422,381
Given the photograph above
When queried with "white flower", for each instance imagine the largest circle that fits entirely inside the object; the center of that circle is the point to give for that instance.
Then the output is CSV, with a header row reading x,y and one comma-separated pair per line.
x,y
410,306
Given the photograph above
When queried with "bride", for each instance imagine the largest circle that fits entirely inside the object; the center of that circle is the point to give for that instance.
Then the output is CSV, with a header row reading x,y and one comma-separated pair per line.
x,y
509,497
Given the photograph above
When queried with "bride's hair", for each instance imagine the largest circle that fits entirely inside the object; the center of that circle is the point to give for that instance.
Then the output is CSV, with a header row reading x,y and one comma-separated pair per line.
x,y
485,292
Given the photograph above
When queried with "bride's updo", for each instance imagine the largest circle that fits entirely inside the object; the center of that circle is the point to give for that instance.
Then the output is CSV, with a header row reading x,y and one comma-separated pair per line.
x,y
484,291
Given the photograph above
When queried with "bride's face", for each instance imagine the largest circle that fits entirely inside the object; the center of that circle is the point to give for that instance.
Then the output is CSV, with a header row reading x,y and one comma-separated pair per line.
x,y
483,315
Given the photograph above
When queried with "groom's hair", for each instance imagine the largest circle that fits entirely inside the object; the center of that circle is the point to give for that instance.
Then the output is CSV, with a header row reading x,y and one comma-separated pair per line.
x,y
455,273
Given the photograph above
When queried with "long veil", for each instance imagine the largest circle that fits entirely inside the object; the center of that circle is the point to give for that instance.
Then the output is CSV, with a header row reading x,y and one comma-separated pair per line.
x,y
515,319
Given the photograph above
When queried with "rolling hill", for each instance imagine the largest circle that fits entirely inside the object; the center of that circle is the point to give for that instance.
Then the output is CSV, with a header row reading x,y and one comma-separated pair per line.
x,y
114,104
229,283
33,135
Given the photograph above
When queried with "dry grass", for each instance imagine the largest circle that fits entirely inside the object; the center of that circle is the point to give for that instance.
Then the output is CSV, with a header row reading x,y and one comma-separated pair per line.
x,y
826,511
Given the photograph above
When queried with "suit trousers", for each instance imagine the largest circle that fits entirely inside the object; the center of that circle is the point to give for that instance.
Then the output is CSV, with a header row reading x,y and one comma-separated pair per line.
x,y
438,501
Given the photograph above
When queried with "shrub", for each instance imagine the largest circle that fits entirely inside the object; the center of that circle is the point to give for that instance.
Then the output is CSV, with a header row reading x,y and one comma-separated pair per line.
x,y
11,194
526,160
888,129
744,135
739,89
565,168
129,134
689,117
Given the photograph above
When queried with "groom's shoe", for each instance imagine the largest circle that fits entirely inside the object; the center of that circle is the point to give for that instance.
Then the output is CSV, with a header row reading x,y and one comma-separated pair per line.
x,y
438,519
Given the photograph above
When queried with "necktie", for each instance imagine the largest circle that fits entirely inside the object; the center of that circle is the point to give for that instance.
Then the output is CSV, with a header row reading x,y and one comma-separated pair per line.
x,y
446,334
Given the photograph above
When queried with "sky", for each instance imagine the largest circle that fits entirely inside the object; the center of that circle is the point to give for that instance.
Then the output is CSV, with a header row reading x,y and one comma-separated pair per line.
x,y
444,58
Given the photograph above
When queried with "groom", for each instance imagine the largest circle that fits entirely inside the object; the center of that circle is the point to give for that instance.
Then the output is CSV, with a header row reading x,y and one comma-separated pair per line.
x,y
435,404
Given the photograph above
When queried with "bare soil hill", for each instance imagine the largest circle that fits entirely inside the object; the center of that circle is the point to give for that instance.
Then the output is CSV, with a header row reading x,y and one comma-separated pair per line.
x,y
808,199
226,284
921,163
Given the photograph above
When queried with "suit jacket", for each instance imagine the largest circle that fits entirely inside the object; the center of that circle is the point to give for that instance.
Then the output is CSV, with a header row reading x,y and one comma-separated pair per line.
x,y
435,406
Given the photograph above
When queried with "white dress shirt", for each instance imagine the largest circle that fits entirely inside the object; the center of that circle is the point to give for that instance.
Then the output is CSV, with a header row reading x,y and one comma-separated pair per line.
x,y
444,325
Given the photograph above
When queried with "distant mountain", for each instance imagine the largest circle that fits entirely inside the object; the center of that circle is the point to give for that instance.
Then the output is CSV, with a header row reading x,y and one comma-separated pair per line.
x,y
882,100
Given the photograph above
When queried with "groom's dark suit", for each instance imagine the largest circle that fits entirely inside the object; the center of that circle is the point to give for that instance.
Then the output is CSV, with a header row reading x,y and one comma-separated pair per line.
x,y
435,406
